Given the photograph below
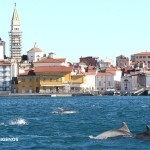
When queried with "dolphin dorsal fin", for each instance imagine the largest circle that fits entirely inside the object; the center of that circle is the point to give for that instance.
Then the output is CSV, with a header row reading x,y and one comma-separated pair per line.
x,y
148,128
124,127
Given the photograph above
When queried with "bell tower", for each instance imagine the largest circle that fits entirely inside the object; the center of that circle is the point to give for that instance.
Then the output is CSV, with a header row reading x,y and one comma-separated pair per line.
x,y
15,36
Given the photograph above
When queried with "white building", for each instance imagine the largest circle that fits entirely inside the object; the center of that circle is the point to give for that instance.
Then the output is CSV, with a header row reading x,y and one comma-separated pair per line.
x,y
2,49
89,81
5,77
35,54
104,81
104,63
129,84
51,61
110,79
117,76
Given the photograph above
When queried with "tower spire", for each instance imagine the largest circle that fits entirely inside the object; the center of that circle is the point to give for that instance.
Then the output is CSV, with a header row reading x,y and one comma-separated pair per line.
x,y
15,36
15,17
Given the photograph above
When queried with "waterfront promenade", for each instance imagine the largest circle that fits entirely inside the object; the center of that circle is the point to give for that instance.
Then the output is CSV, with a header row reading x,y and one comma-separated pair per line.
x,y
46,94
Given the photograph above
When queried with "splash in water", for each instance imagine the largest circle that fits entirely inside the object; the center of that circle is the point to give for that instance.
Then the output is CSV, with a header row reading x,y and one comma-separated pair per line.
x,y
18,121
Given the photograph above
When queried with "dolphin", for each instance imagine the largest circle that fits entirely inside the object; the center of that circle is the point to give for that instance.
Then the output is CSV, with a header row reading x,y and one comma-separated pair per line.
x,y
144,135
123,131
62,111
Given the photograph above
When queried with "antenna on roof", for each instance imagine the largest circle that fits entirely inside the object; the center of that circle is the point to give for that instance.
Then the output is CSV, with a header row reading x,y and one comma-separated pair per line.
x,y
15,4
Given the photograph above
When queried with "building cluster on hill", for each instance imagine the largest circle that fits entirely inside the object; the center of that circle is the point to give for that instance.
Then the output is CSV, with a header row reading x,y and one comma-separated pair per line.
x,y
36,73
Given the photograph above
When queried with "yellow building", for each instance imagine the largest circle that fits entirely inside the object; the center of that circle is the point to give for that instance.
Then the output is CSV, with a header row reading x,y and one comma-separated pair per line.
x,y
49,79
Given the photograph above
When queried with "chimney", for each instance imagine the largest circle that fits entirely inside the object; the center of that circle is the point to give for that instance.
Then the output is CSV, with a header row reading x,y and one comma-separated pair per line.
x,y
52,55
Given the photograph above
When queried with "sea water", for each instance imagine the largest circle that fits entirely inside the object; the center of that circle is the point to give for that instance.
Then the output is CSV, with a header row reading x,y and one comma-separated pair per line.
x,y
28,122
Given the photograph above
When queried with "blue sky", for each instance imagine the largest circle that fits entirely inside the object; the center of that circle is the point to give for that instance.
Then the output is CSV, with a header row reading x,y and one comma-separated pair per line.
x,y
75,28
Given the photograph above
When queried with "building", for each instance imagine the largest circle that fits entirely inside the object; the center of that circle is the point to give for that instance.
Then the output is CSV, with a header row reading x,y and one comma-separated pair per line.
x,y
2,49
45,79
35,54
104,63
89,81
15,36
122,61
5,77
51,61
104,81
134,84
141,57
49,75
92,61
117,76
129,84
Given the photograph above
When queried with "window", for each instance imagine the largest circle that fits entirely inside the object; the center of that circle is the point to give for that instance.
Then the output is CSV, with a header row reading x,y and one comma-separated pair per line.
x,y
44,88
140,56
144,56
99,83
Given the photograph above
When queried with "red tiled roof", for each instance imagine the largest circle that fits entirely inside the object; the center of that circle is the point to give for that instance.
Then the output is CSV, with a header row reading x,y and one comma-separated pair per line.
x,y
52,69
133,63
141,53
35,49
51,60
5,63
91,67
112,69
104,74
88,73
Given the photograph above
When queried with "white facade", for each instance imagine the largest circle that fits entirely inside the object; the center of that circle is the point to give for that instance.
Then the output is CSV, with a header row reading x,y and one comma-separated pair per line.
x,y
35,54
104,63
147,80
5,77
129,84
14,69
89,82
2,49
104,81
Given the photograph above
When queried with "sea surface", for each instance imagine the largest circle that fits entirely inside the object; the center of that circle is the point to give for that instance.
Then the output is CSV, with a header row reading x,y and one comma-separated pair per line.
x,y
30,122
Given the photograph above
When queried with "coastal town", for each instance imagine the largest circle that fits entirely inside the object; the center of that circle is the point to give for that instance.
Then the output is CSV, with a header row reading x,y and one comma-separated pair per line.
x,y
40,73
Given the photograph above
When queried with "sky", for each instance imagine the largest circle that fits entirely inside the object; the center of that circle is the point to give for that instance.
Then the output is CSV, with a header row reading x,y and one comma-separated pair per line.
x,y
75,28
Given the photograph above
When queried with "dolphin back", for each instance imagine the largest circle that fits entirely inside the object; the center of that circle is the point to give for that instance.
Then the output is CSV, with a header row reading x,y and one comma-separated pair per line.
x,y
124,127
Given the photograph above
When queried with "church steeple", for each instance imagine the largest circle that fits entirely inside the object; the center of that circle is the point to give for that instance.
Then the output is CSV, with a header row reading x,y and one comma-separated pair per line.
x,y
15,37
15,18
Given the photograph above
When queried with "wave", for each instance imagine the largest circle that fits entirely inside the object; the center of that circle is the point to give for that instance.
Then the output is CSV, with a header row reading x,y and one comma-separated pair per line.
x,y
2,124
18,121
146,106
